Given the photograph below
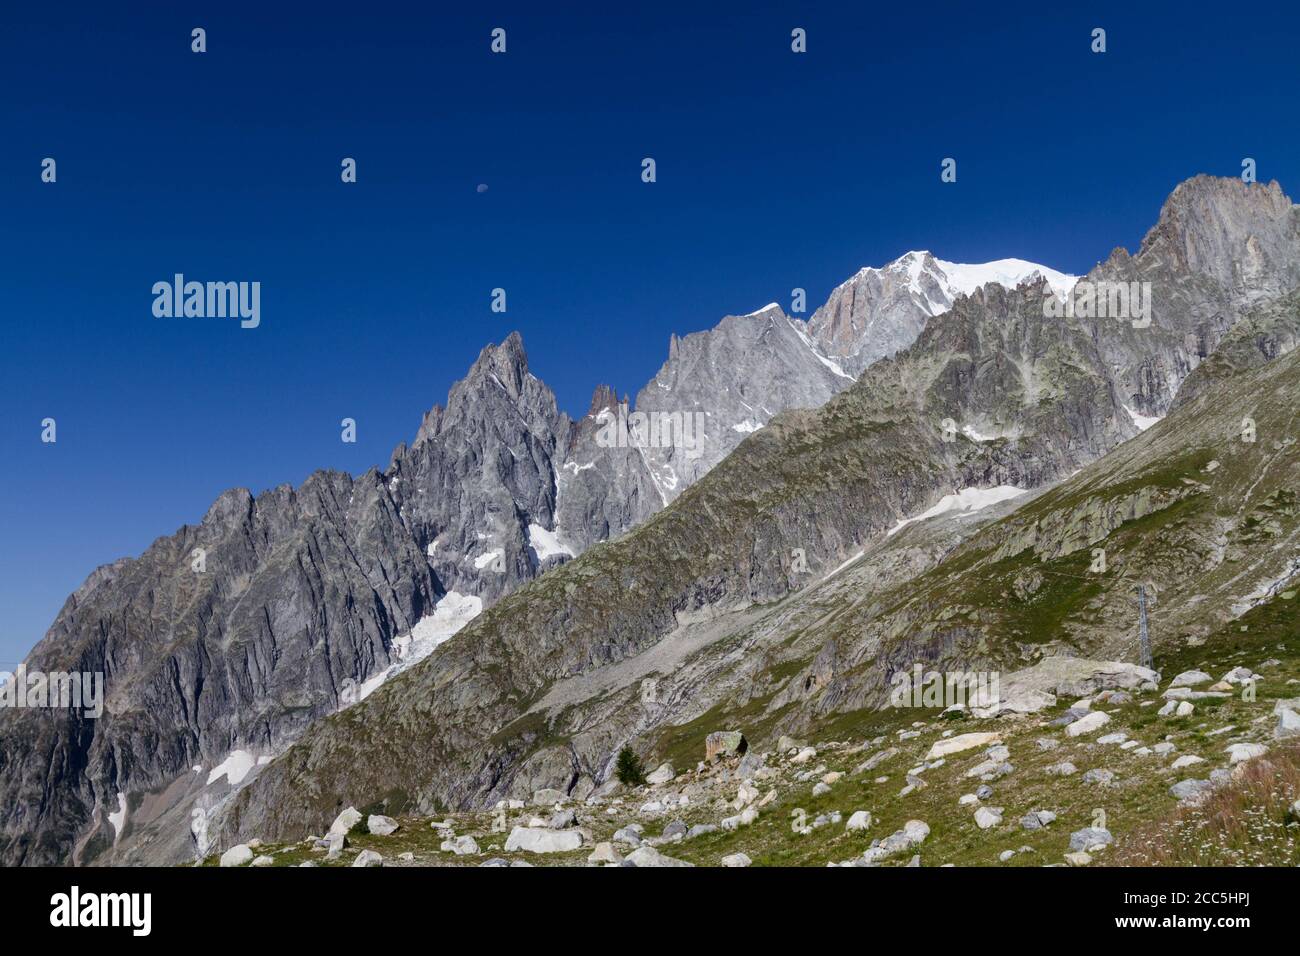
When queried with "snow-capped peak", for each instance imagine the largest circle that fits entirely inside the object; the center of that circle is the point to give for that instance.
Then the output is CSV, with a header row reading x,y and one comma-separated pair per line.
x,y
962,278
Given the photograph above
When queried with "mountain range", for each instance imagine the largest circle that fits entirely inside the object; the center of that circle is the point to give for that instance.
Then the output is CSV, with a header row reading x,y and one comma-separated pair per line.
x,y
908,474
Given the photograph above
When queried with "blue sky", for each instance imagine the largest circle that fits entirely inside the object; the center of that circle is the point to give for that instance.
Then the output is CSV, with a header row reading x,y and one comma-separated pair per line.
x,y
775,170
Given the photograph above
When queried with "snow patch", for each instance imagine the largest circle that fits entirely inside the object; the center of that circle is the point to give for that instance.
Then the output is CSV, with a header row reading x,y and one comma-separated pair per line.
x,y
119,818
965,278
973,435
483,560
545,543
845,564
812,347
1143,422
966,500
962,278
235,767
450,614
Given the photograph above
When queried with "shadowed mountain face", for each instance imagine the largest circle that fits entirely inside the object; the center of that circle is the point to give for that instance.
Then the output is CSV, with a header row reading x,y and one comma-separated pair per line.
x,y
307,594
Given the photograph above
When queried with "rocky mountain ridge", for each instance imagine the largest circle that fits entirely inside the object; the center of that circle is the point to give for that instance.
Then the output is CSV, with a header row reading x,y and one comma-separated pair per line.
x,y
540,668
313,592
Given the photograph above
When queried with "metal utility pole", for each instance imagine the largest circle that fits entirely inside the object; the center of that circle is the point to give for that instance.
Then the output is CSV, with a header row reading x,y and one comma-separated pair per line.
x,y
1143,637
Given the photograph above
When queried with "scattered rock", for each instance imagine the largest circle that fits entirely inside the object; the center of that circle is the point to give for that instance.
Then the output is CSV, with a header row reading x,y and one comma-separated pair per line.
x,y
604,853
1037,819
543,840
461,846
675,830
860,820
648,856
262,861
876,759
1190,679
237,855
381,825
631,835
742,819
1099,776
736,859
661,775
1288,725
1191,791
1239,752
986,817
1094,720
724,743
952,745
368,858
1090,839
345,822
562,820
1186,760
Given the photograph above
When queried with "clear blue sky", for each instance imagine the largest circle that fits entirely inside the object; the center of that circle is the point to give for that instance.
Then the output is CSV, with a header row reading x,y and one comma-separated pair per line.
x,y
775,170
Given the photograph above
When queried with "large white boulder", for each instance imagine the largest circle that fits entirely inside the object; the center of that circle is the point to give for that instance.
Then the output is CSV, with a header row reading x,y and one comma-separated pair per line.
x,y
986,817
860,820
953,745
543,840
661,775
1034,688
1088,723
461,846
649,856
345,822
237,855
1237,753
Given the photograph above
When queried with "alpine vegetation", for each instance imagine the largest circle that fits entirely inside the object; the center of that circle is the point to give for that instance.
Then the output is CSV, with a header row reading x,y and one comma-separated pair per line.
x,y
213,300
